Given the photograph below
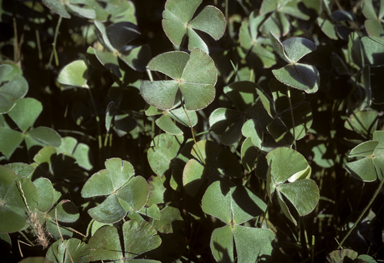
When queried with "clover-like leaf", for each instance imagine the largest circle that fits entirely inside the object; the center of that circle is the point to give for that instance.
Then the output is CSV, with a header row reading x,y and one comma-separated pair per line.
x,y
370,159
124,192
194,76
170,220
177,22
235,205
253,45
374,21
138,238
286,164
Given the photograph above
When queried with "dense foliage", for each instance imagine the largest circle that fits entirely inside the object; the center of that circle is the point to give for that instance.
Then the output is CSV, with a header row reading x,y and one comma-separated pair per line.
x,y
191,131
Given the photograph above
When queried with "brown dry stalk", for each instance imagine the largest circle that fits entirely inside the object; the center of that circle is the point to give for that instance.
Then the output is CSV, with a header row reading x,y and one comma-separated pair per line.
x,y
38,228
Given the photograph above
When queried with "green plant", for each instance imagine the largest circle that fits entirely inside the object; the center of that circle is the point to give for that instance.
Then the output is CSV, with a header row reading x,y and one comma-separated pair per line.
x,y
191,131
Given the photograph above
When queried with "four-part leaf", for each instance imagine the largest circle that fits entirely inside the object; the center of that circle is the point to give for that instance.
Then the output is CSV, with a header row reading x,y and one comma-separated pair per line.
x,y
138,238
178,22
124,192
194,76
235,205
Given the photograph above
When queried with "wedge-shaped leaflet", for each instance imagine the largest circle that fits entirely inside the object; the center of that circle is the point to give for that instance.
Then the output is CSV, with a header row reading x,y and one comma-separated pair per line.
x,y
193,75
177,22
138,238
300,76
24,114
16,193
235,205
164,149
12,90
168,117
124,192
288,175
370,159
72,251
211,162
74,74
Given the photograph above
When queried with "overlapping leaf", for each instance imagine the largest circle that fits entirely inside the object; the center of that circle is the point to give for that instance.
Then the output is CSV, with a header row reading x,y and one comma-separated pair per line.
x,y
194,76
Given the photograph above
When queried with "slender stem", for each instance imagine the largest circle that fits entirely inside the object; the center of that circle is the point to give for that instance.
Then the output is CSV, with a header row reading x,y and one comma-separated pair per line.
x,y
292,118
362,213
26,238
58,228
54,53
193,136
193,133
15,45
38,44
98,123
226,11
